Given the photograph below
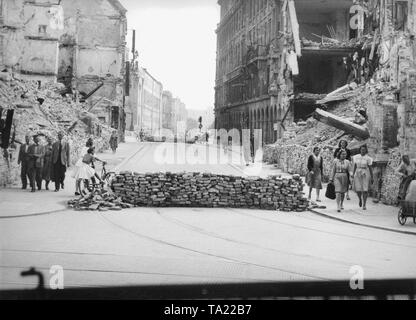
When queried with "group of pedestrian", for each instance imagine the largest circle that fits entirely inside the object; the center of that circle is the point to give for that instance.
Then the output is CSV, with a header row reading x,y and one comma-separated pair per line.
x,y
347,172
50,162
44,163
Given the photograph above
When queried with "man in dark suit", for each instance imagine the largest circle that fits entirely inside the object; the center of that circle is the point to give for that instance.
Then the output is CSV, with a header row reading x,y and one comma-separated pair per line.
x,y
36,152
60,161
23,162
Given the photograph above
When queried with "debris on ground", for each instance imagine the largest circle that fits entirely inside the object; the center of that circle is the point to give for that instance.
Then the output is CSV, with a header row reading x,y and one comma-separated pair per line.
x,y
105,201
45,109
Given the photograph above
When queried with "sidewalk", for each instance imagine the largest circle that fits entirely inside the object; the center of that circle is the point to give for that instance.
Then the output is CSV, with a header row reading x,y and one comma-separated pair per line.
x,y
377,215
15,202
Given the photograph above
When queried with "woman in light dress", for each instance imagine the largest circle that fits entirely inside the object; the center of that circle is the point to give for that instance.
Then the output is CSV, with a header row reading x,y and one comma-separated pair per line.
x,y
341,178
315,167
86,171
343,145
363,175
84,151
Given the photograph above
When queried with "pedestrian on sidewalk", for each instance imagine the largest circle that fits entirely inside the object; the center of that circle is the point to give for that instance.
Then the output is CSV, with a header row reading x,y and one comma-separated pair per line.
x,y
341,178
343,145
60,161
36,152
252,146
86,170
407,171
114,141
363,175
314,176
47,163
23,160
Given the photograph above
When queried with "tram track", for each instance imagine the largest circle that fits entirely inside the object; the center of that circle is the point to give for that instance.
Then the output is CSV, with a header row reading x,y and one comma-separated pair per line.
x,y
212,255
144,273
248,244
243,212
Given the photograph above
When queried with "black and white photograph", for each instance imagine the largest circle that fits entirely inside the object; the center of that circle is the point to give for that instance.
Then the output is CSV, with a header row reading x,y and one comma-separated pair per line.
x,y
206,151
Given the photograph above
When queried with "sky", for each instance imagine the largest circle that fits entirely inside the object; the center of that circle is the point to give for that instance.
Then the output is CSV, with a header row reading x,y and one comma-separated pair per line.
x,y
176,42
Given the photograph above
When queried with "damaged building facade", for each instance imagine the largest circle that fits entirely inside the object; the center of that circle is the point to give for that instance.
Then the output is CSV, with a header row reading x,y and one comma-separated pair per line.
x,y
92,56
78,43
285,62
271,62
29,38
277,59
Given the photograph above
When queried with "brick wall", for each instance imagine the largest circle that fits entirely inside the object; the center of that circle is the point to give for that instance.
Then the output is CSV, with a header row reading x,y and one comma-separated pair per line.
x,y
209,190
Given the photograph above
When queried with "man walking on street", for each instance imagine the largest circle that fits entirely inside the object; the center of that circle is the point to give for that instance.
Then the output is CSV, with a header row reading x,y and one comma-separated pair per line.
x,y
36,153
23,162
60,161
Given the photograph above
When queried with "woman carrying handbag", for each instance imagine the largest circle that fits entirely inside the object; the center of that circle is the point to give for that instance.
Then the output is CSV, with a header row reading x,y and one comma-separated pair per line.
x,y
314,176
341,178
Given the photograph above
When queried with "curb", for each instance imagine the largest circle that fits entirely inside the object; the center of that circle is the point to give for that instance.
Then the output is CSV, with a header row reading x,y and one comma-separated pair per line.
x,y
34,214
361,224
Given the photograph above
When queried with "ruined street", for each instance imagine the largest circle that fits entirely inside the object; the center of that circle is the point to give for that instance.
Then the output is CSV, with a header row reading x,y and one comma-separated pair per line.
x,y
185,245
240,142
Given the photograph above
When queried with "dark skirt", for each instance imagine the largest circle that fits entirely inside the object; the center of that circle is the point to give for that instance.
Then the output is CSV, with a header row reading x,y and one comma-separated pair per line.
x,y
314,180
47,170
404,185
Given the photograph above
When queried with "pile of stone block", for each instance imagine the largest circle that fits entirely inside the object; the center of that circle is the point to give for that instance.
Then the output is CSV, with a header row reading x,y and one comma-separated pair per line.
x,y
103,201
210,190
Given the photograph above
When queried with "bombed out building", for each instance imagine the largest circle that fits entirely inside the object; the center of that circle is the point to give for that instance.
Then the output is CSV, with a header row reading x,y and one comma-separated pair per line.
x,y
286,66
75,42
277,59
272,59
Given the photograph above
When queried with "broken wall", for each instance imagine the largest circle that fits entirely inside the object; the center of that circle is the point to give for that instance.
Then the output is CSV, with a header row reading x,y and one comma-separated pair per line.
x,y
314,24
407,116
29,38
43,110
97,31
93,51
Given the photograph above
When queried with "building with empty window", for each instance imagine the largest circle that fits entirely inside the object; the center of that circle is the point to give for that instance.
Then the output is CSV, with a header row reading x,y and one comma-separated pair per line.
x,y
276,57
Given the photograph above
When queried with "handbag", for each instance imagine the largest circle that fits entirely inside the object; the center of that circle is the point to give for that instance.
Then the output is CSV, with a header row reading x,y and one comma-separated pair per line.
x,y
330,191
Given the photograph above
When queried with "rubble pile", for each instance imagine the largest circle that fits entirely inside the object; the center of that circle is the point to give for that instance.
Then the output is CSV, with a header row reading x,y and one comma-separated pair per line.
x,y
391,180
292,151
294,158
331,42
45,109
210,190
104,201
